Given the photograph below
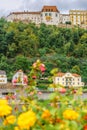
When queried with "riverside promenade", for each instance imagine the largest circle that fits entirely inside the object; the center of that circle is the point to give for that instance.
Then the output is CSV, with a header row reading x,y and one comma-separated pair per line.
x,y
5,90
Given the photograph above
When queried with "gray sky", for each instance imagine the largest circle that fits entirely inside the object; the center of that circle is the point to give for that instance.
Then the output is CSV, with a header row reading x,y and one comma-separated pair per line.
x,y
7,6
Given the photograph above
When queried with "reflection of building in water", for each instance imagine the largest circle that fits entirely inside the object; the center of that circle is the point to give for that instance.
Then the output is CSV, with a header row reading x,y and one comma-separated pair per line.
x,y
20,78
68,79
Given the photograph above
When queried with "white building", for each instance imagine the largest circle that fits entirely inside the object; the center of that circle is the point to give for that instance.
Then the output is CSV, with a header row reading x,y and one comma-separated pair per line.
x,y
25,17
68,79
48,15
65,18
19,78
3,77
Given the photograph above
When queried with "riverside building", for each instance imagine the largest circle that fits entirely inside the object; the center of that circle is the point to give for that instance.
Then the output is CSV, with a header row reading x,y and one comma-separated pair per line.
x,y
68,79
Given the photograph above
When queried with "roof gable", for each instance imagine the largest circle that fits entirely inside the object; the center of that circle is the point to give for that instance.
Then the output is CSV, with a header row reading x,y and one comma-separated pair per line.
x,y
76,75
60,74
50,9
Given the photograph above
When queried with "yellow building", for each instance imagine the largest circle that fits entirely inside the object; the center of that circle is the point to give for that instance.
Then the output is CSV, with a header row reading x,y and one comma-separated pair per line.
x,y
78,17
68,79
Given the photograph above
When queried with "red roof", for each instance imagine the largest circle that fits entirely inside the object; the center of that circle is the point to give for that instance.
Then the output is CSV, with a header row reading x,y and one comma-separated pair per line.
x,y
75,75
60,74
50,9
25,12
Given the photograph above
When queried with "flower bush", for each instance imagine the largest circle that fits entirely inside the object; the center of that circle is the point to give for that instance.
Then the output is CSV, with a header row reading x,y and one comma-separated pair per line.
x,y
64,110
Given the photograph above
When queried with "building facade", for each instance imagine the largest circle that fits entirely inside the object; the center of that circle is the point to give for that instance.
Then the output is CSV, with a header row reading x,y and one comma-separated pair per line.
x,y
68,79
3,77
48,15
65,18
25,17
19,78
78,17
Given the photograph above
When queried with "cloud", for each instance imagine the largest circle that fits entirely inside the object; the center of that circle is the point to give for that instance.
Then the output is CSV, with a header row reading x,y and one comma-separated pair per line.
x,y
7,6
62,5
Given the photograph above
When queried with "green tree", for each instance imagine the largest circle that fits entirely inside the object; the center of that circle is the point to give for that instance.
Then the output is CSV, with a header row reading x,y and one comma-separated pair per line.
x,y
83,38
76,69
21,62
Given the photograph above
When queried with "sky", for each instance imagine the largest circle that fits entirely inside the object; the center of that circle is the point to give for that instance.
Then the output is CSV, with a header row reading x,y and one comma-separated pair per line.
x,y
8,6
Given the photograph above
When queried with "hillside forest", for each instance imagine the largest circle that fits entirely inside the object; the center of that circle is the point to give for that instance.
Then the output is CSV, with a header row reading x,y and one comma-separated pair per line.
x,y
21,44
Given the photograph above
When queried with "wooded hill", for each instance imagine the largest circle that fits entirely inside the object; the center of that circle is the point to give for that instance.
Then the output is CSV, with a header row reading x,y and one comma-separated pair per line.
x,y
63,48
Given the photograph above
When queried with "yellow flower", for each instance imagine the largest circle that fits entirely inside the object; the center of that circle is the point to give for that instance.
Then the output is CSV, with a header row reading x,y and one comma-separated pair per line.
x,y
23,108
10,120
62,126
5,109
3,102
16,128
70,114
46,114
26,120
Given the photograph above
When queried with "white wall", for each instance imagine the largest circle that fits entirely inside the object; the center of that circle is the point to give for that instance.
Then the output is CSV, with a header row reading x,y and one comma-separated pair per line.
x,y
3,79
75,81
54,18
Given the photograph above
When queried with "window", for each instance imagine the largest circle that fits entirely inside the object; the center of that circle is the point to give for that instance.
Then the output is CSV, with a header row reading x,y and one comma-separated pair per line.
x,y
50,14
41,15
1,80
45,14
56,15
58,79
63,79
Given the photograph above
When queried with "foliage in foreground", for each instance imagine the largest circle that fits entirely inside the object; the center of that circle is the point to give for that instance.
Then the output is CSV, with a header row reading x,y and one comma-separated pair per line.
x,y
64,110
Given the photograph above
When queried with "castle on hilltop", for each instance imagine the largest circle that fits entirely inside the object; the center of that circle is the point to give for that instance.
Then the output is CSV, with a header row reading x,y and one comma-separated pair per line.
x,y
50,15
